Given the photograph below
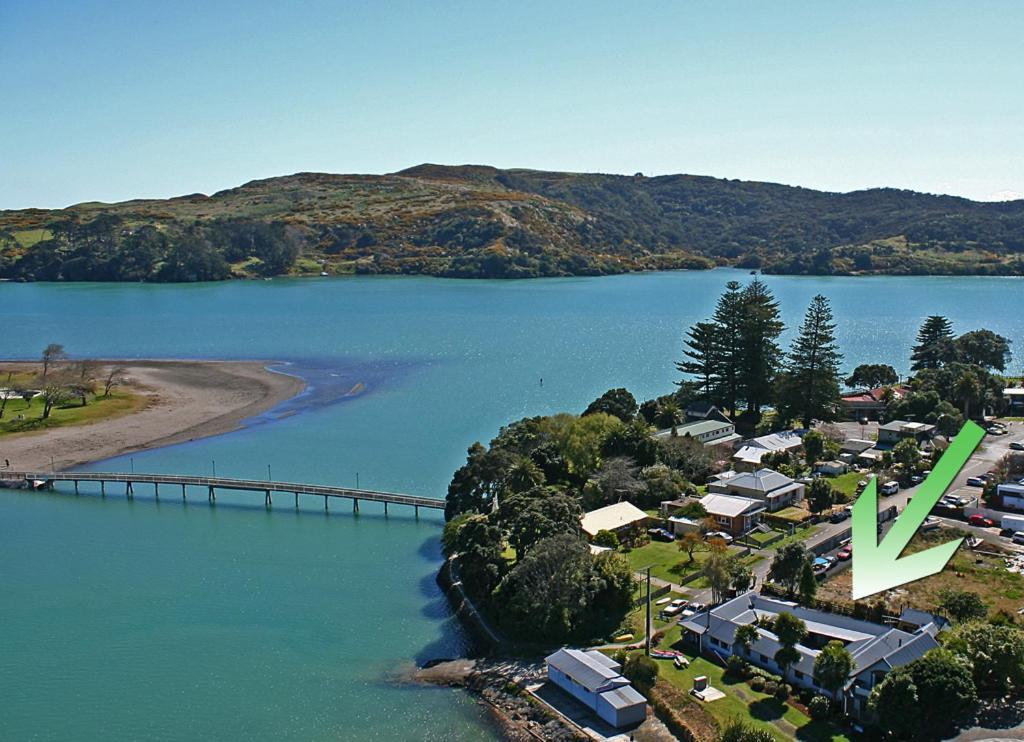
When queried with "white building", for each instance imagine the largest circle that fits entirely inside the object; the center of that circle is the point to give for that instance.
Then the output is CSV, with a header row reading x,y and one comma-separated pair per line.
x,y
876,649
594,679
706,432
748,456
775,490
614,518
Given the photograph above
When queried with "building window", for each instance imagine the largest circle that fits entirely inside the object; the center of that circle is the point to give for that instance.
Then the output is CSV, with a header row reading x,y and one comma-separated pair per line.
x,y
799,675
764,659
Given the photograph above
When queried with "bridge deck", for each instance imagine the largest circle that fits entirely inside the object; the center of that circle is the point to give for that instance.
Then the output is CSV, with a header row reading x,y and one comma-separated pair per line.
x,y
225,483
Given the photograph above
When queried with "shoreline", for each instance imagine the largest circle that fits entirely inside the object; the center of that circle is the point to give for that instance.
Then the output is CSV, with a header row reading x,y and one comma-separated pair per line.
x,y
186,400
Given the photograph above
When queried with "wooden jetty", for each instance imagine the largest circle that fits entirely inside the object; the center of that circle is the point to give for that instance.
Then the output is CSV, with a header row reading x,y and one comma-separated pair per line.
x,y
46,480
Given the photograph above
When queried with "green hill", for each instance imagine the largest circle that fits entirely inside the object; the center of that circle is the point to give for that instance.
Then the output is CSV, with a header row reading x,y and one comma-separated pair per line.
x,y
476,221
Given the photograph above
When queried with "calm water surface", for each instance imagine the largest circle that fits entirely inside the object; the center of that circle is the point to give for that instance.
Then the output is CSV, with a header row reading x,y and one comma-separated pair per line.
x,y
167,621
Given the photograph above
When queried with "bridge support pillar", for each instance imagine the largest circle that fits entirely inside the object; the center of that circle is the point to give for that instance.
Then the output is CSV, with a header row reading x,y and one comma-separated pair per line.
x,y
128,491
267,500
156,490
183,493
325,503
355,505
296,500
385,508
417,509
211,495
103,488
76,486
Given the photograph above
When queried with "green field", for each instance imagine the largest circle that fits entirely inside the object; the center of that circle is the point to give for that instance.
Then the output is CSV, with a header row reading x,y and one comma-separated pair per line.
x,y
668,563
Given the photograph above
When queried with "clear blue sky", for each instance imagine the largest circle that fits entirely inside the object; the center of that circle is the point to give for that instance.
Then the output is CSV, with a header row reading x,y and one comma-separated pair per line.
x,y
115,100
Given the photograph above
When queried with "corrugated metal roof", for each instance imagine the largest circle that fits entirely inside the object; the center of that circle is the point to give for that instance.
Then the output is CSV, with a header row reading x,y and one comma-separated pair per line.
x,y
585,669
624,697
611,517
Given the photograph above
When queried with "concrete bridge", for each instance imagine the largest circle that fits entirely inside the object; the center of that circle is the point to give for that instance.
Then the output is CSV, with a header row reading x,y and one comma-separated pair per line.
x,y
46,480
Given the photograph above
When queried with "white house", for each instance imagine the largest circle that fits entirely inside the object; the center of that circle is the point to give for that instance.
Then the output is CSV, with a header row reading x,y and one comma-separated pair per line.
x,y
893,432
876,649
595,680
774,489
706,432
615,518
748,455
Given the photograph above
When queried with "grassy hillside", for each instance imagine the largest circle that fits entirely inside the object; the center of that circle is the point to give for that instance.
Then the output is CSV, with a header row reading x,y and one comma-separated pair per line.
x,y
475,221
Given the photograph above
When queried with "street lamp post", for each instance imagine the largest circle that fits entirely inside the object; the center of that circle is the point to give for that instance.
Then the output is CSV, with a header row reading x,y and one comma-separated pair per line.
x,y
269,478
213,463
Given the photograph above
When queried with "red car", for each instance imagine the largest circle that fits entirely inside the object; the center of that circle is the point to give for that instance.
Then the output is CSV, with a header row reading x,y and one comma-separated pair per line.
x,y
845,554
980,520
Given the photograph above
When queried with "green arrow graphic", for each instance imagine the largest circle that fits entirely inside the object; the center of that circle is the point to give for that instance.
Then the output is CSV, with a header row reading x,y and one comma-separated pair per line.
x,y
878,566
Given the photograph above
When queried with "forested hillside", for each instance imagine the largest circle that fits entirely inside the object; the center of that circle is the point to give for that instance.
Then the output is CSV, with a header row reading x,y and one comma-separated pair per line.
x,y
476,221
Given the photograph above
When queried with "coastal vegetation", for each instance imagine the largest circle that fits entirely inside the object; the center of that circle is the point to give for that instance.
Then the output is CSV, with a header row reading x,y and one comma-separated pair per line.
x,y
482,222
59,391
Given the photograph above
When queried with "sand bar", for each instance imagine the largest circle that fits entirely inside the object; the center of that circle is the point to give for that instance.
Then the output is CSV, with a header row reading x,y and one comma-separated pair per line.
x,y
187,400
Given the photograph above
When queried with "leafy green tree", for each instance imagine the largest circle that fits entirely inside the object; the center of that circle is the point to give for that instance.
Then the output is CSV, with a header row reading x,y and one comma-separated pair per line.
x,y
961,605
907,453
820,495
996,654
52,355
529,520
814,446
634,440
745,637
808,584
608,539
641,669
983,348
833,666
475,484
618,402
481,565
940,681
580,439
522,475
934,344
872,376
809,387
787,565
740,576
718,569
790,631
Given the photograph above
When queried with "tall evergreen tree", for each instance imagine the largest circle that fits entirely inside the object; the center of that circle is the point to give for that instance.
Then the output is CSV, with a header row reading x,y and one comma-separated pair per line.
x,y
701,346
728,318
934,344
809,387
759,333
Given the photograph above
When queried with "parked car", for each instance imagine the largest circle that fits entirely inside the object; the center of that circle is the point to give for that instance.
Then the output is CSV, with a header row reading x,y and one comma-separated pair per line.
x,y
916,479
660,534
845,554
839,516
930,523
981,521
727,538
1018,537
1017,445
975,482
890,488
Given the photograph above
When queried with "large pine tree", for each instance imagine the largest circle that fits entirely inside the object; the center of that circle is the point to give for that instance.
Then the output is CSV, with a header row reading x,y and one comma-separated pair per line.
x,y
934,344
759,334
701,346
728,318
809,387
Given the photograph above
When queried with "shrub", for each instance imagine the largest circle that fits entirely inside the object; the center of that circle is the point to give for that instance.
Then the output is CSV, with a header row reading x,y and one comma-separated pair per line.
x,y
740,731
770,687
820,707
757,683
736,666
641,669
782,691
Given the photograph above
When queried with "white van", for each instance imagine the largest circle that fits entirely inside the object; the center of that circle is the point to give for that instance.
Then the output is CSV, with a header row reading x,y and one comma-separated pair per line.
x,y
1018,537
890,488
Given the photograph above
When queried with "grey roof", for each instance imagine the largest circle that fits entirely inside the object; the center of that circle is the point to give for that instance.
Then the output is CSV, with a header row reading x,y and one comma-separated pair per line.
x,y
776,441
919,618
855,445
763,480
729,505
868,643
589,671
623,697
699,428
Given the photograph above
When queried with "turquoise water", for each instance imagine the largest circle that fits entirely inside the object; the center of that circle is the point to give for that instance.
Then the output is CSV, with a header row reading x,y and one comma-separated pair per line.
x,y
168,621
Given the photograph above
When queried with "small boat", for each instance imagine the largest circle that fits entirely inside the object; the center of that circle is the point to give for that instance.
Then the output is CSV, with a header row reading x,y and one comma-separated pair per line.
x,y
664,654
623,638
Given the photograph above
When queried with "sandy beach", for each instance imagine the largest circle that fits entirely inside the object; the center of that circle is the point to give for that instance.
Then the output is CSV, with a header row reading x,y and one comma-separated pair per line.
x,y
186,400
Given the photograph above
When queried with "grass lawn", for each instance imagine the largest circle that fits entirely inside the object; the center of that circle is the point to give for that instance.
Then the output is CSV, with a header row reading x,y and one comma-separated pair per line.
x,y
760,538
742,702
668,563
72,413
799,534
847,483
792,514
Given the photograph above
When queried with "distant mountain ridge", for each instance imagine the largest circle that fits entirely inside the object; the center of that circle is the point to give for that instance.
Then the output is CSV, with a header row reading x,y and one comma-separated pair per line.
x,y
479,221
